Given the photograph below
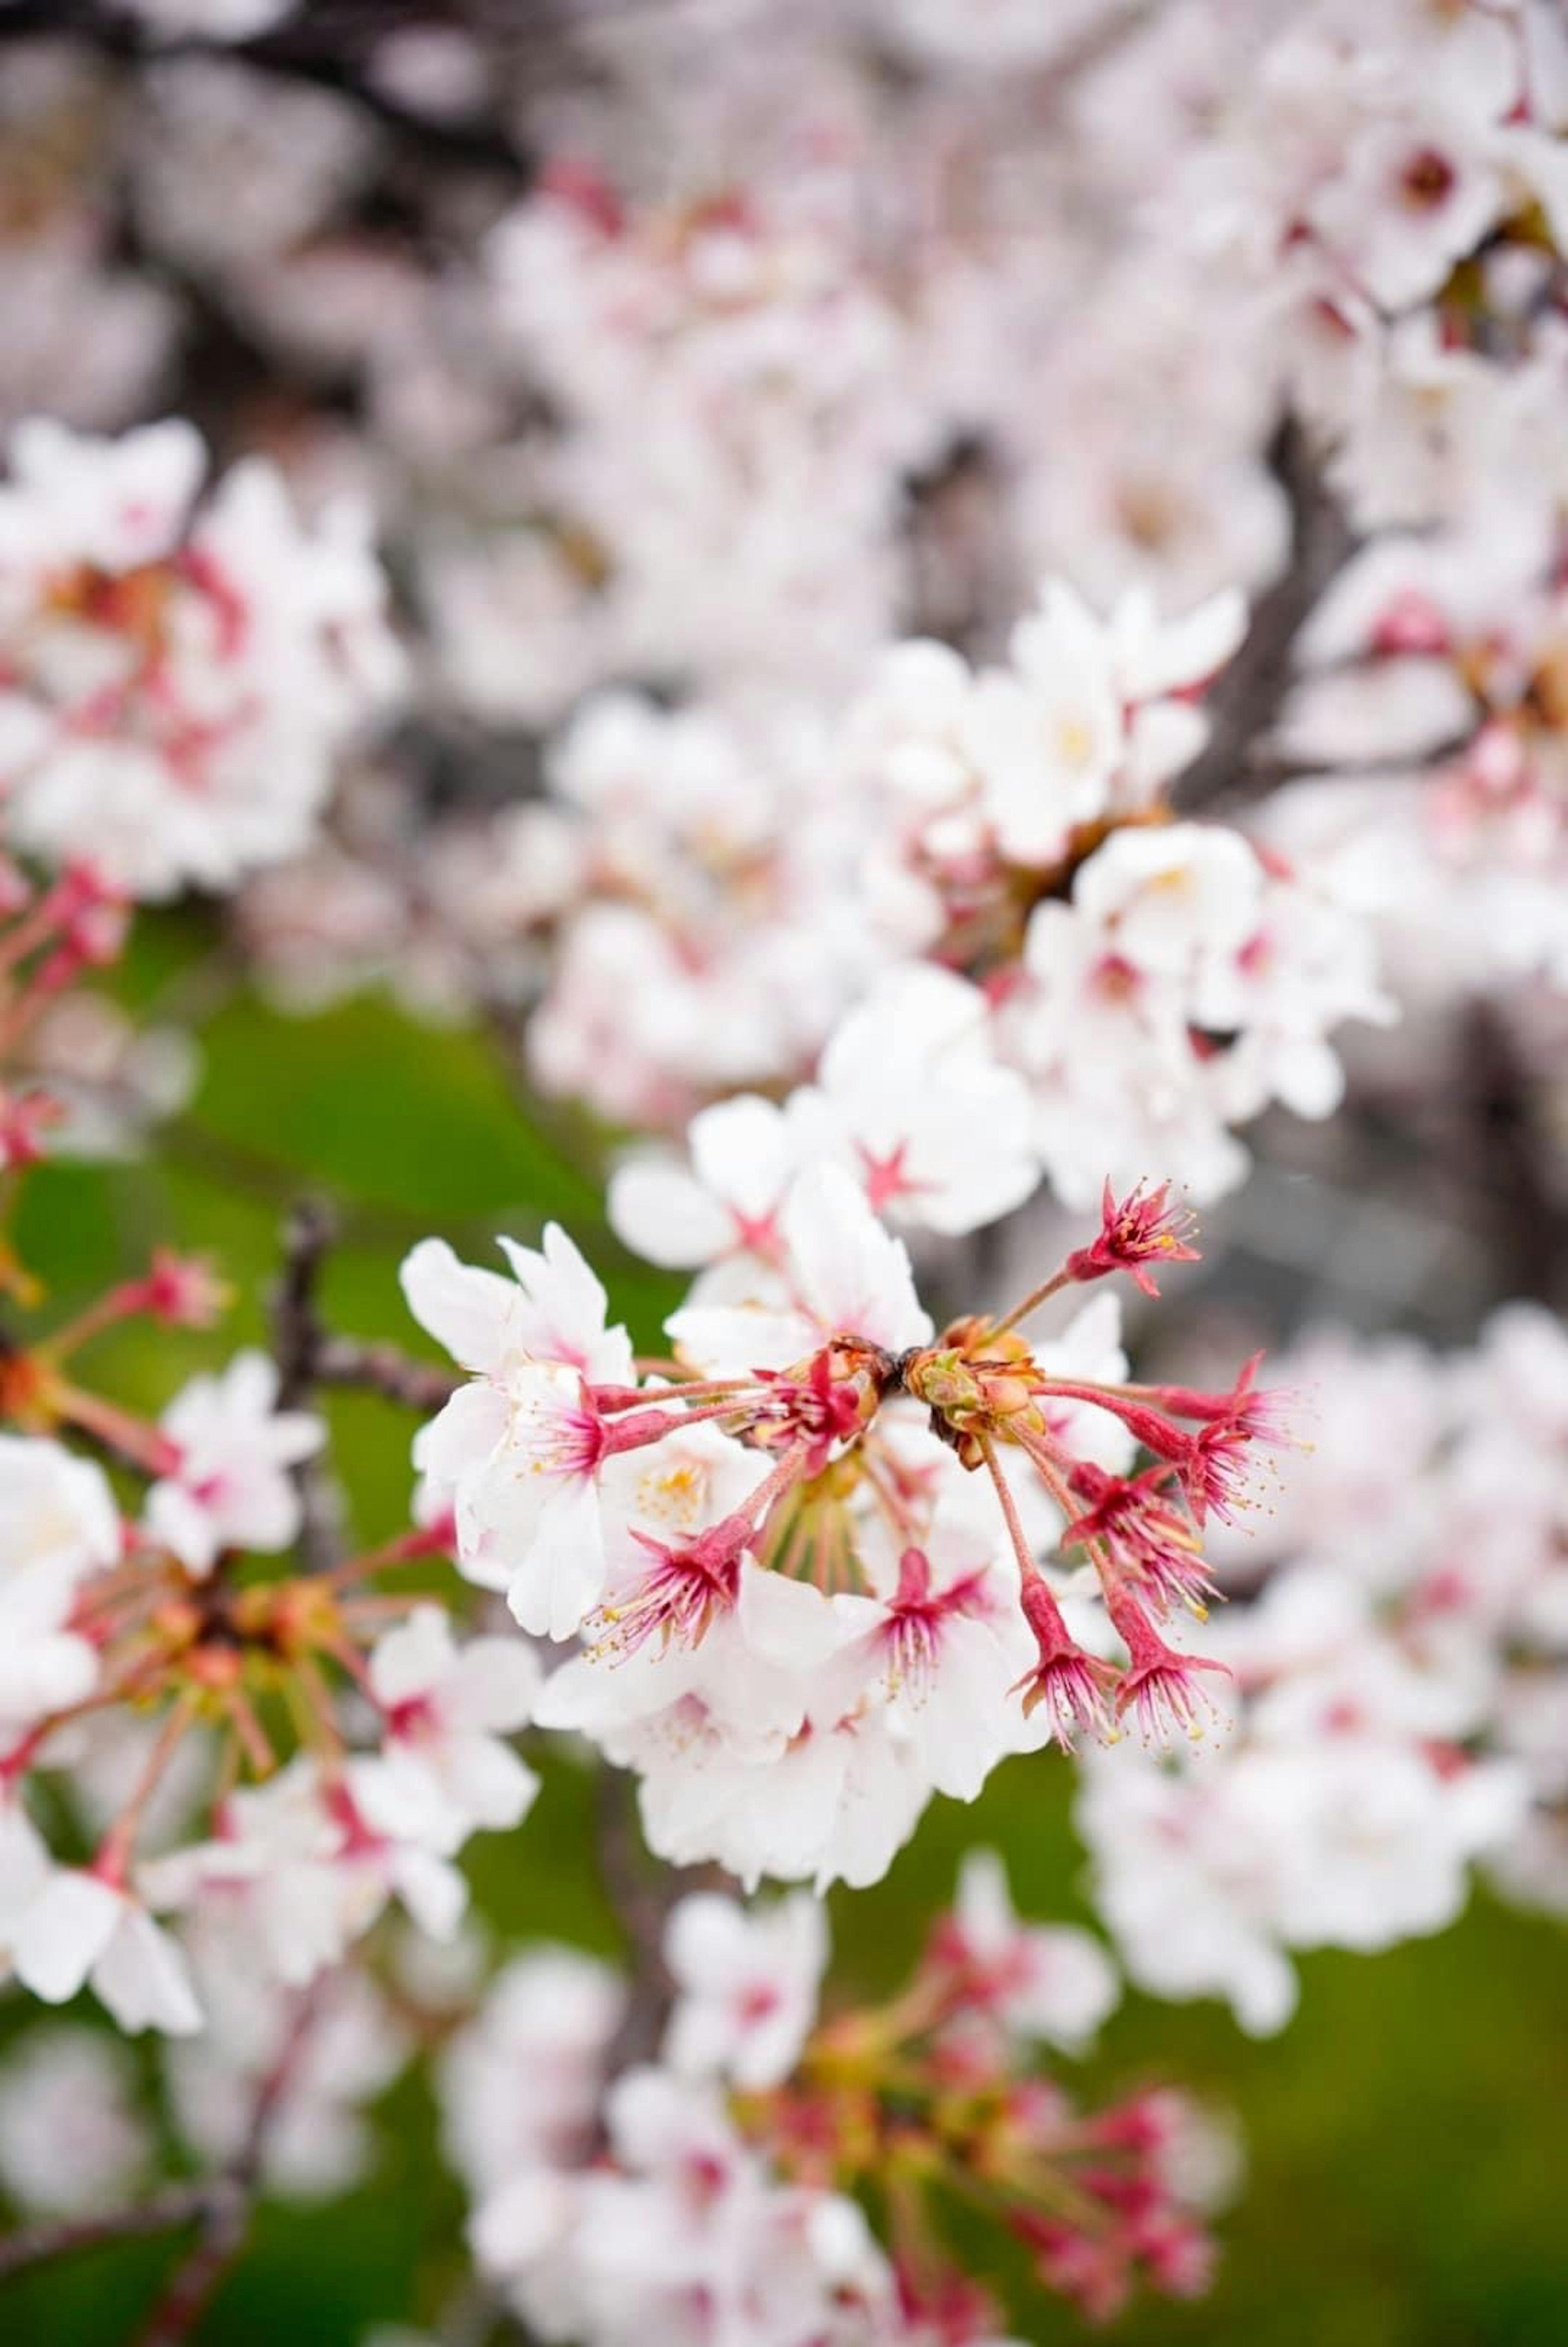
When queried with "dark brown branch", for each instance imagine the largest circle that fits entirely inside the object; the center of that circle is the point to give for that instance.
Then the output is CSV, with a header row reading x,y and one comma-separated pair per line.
x,y
297,1339
297,1333
1248,698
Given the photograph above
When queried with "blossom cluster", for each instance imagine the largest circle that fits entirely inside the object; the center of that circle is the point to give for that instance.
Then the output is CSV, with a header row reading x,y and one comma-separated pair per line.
x,y
944,660
803,1555
1133,987
1402,1714
724,2194
173,687
146,1657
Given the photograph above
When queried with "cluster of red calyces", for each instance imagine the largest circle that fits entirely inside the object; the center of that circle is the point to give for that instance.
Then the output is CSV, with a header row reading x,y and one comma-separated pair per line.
x,y
930,2103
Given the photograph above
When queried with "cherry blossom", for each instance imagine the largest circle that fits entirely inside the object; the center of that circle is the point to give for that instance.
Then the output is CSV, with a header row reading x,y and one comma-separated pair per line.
x,y
71,2140
82,1930
446,1709
174,707
747,1986
59,1525
228,1485
1040,1981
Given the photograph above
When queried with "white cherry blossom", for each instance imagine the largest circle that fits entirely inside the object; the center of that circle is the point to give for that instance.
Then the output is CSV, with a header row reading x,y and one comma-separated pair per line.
x,y
231,1487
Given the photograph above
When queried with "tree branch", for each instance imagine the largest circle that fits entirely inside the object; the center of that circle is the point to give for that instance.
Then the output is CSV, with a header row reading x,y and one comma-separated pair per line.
x,y
1250,696
1526,1212
642,1896
231,2203
384,1370
226,2221
328,46
36,2245
297,1339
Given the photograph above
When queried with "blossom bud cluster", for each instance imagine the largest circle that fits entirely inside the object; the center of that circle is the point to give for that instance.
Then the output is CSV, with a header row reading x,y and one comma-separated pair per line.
x,y
151,1652
725,2189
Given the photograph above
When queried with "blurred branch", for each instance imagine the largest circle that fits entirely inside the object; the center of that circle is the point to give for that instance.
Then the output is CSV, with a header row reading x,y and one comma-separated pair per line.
x,y
297,1332
1248,697
297,1339
34,2245
309,1356
328,46
231,2203
221,2206
225,2222
382,1370
642,1901
1527,1216
642,1895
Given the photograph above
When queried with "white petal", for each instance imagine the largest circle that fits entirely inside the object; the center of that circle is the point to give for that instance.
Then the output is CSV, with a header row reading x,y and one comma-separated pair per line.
x,y
143,1979
467,1310
663,1214
62,1934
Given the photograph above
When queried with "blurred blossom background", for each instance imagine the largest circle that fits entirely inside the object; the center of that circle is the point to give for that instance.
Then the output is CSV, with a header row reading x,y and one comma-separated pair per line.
x,y
679,533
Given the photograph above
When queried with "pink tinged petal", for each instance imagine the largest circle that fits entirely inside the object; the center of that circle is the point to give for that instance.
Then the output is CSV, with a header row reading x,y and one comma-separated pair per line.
x,y
741,1153
64,1933
852,1275
467,1310
26,1867
531,2215
783,1621
654,2123
662,1213
293,1435
1069,1986
1171,655
248,1386
706,1940
964,1726
728,1340
264,1513
562,1312
143,1979
799,1798
181,1524
983,1904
